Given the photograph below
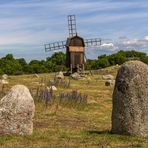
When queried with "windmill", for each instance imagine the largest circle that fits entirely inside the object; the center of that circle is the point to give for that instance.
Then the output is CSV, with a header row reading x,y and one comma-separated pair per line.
x,y
75,46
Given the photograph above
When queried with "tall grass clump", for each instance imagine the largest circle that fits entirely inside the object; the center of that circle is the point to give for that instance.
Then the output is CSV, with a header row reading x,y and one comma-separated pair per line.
x,y
73,99
59,82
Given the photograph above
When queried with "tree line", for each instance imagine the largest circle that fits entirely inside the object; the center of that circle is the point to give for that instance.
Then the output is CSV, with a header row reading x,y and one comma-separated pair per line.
x,y
11,66
118,58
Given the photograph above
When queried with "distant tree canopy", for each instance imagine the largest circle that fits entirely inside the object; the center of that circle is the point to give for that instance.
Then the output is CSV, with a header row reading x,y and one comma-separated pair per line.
x,y
117,58
10,65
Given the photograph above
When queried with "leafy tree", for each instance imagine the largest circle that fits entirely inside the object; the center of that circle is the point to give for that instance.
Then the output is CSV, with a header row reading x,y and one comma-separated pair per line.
x,y
9,57
103,62
56,62
102,56
58,58
145,59
36,66
133,53
10,66
118,58
23,63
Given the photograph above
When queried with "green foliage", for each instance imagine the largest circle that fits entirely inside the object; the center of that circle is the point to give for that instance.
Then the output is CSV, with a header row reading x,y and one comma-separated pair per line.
x,y
103,62
36,66
10,65
9,57
144,59
96,64
117,58
90,64
56,62
57,58
133,53
23,64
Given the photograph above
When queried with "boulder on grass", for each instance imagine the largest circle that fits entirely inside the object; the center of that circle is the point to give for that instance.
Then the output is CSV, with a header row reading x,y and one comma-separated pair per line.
x,y
16,112
36,75
60,75
109,82
130,100
75,76
108,77
53,88
4,82
5,76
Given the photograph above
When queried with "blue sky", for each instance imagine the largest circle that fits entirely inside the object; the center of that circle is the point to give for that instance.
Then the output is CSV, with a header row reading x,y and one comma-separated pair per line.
x,y
26,25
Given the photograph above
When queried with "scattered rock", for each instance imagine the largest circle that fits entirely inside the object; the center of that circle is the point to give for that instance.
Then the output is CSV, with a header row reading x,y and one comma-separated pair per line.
x,y
16,112
41,84
35,83
88,78
60,75
108,77
109,82
130,100
92,101
4,76
4,82
53,88
36,75
75,76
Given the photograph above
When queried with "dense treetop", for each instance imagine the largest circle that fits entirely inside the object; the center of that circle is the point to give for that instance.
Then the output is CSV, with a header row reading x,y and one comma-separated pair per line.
x,y
10,65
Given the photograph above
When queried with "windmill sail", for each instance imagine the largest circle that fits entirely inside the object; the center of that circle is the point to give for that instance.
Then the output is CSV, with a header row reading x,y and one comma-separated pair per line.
x,y
95,42
72,25
55,46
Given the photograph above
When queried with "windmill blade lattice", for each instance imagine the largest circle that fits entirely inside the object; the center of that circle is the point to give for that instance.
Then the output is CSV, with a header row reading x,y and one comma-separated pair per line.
x,y
55,46
72,25
95,42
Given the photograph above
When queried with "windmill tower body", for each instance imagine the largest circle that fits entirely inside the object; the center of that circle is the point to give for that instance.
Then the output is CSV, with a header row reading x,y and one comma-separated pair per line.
x,y
75,49
75,46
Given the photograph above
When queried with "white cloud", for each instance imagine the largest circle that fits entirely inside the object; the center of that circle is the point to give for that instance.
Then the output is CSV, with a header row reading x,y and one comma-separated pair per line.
x,y
108,45
146,38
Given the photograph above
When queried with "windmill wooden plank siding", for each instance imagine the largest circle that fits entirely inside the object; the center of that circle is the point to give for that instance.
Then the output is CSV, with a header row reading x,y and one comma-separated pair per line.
x,y
76,49
75,52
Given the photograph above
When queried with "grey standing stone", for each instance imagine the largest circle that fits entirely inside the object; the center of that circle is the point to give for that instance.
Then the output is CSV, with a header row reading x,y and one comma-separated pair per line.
x,y
130,100
16,112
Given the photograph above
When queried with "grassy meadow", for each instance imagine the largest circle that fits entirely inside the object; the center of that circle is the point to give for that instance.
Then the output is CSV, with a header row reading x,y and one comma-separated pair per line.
x,y
72,126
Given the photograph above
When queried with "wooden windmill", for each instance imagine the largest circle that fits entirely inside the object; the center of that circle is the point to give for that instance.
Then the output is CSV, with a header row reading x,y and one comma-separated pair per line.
x,y
75,46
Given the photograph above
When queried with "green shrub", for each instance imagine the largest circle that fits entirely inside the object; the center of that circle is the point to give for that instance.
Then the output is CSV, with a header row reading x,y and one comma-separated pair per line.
x,y
56,62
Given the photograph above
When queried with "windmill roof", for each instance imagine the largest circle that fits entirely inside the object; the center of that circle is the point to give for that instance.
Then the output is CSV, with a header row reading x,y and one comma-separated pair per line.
x,y
73,37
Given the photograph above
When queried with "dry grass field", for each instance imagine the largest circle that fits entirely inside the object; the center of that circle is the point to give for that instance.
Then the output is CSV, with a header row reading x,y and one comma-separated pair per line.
x,y
71,126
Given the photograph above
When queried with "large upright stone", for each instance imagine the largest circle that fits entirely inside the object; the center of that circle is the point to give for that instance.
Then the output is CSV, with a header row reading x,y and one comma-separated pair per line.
x,y
130,100
16,112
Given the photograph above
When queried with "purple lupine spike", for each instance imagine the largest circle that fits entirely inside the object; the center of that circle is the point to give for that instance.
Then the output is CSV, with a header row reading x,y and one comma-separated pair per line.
x,y
45,95
51,91
74,94
62,95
